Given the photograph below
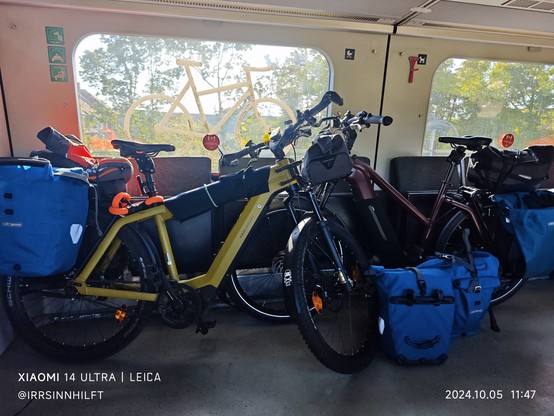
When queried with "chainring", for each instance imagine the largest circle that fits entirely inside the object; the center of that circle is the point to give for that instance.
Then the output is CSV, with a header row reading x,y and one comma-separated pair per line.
x,y
181,311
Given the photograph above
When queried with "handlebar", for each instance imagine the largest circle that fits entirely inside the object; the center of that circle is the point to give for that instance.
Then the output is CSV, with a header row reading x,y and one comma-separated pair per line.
x,y
350,125
371,119
231,159
278,141
328,98
364,119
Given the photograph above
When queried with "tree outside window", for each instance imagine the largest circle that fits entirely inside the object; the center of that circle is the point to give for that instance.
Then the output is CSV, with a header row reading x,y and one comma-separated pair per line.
x,y
115,71
491,98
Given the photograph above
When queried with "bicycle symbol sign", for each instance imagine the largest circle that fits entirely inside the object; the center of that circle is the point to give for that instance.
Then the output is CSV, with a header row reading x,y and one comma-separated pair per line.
x,y
253,114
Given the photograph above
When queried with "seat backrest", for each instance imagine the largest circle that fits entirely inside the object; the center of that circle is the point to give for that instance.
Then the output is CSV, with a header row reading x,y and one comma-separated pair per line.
x,y
420,173
176,174
549,183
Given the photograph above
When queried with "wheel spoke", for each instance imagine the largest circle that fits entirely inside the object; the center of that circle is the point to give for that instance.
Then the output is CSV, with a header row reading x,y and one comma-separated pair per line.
x,y
59,322
341,334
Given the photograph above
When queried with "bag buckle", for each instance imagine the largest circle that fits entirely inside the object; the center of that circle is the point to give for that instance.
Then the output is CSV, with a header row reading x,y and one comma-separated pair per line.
x,y
474,286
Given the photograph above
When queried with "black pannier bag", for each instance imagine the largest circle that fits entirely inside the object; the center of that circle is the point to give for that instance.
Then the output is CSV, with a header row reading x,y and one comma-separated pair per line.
x,y
510,170
242,184
109,174
69,146
327,159
43,212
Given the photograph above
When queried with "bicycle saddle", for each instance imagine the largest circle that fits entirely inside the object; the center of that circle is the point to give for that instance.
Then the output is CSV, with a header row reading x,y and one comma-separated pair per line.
x,y
471,142
135,149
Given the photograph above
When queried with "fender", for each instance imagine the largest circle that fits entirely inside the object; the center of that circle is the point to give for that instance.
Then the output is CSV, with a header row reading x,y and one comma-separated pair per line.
x,y
154,259
290,249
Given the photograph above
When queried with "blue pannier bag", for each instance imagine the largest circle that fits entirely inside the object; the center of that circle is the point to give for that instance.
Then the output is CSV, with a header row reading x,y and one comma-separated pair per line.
x,y
473,284
416,311
43,212
532,223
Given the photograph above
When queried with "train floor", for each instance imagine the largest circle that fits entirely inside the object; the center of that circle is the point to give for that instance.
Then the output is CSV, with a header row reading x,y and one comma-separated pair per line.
x,y
247,367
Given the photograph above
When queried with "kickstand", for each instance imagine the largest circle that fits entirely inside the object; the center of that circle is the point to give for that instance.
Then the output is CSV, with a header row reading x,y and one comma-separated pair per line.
x,y
204,326
494,324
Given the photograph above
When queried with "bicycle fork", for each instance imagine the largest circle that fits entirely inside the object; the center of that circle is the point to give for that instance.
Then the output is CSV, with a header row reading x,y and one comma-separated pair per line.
x,y
324,227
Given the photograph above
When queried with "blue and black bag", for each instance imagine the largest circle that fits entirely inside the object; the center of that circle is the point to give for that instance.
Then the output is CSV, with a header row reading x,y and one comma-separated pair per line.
x,y
423,307
43,212
530,217
474,283
416,311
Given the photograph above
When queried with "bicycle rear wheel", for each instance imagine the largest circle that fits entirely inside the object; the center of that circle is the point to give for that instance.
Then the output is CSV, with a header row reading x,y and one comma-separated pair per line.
x,y
56,321
339,328
450,241
257,284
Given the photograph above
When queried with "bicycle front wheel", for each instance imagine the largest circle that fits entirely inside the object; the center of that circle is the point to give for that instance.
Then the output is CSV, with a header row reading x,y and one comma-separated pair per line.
x,y
260,117
58,322
339,327
451,241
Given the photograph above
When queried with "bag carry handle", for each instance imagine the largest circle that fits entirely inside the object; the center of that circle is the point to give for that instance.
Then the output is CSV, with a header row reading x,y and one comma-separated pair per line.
x,y
436,298
422,345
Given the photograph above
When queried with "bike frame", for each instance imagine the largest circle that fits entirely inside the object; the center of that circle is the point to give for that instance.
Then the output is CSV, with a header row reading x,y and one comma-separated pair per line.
x,y
364,178
249,93
282,176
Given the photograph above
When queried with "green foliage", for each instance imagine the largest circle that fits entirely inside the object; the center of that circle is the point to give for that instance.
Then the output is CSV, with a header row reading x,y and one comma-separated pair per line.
x,y
301,79
121,69
491,98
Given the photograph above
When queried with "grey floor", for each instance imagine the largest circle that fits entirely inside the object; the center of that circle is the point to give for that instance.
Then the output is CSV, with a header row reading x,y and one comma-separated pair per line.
x,y
244,367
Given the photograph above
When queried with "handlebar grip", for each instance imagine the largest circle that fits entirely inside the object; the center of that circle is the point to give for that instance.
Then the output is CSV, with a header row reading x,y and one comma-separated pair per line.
x,y
228,159
384,120
280,141
328,98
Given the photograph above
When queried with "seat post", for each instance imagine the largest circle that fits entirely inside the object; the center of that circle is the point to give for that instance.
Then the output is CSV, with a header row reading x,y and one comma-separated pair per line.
x,y
147,168
454,159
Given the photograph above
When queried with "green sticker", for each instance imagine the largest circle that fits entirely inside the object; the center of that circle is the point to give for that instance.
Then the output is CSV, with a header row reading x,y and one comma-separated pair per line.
x,y
54,35
56,55
58,73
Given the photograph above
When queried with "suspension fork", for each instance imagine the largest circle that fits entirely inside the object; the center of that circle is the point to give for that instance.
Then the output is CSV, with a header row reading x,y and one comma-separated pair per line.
x,y
324,227
292,190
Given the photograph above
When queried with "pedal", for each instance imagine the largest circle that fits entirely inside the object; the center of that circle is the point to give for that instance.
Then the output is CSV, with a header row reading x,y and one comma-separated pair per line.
x,y
204,326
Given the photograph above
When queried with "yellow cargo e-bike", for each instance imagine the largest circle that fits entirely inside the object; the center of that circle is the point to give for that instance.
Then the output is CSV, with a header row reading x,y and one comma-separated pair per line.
x,y
101,305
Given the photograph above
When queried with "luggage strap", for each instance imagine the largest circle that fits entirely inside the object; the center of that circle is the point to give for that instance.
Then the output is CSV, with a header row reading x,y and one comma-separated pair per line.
x,y
436,298
420,282
470,264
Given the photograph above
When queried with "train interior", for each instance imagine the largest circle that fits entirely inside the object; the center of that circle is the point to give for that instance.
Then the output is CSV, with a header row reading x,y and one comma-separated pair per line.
x,y
91,68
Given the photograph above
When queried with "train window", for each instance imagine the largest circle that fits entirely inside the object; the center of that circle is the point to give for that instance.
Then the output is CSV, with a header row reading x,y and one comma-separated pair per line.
x,y
179,91
491,98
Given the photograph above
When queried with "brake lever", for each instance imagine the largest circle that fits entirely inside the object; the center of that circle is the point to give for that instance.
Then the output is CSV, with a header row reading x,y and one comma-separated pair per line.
x,y
324,119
